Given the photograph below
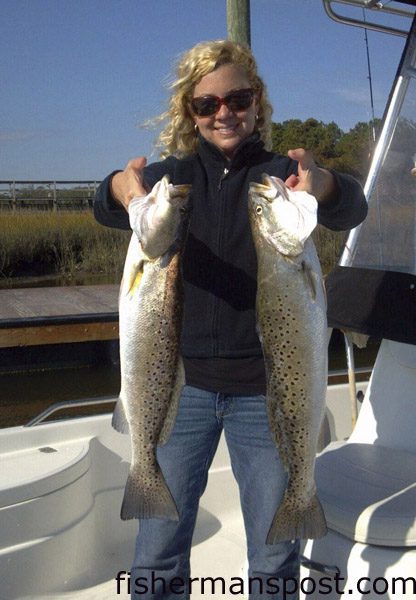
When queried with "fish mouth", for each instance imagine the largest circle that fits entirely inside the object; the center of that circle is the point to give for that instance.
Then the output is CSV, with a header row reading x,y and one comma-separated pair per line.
x,y
183,189
269,189
259,192
179,195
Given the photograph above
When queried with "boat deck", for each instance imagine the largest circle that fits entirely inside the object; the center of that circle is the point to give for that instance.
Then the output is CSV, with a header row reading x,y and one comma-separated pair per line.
x,y
55,315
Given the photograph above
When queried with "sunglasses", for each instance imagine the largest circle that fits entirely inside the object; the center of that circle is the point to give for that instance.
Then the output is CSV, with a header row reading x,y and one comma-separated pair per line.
x,y
206,106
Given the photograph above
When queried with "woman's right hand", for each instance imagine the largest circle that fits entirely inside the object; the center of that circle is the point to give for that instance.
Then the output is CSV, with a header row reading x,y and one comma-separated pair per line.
x,y
129,183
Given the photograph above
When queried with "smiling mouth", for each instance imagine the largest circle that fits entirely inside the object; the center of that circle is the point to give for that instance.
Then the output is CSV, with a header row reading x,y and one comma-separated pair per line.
x,y
227,130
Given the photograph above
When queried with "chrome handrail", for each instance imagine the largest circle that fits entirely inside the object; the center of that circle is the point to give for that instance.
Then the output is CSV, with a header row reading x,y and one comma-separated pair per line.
x,y
69,404
344,372
370,5
109,399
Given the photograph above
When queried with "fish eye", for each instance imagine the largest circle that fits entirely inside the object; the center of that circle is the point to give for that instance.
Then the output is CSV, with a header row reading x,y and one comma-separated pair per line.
x,y
259,209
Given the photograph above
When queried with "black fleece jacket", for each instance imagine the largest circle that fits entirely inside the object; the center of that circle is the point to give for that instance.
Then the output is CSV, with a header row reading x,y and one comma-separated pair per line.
x,y
219,343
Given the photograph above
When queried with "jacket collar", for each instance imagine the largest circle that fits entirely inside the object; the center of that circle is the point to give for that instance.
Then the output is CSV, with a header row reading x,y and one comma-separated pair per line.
x,y
245,151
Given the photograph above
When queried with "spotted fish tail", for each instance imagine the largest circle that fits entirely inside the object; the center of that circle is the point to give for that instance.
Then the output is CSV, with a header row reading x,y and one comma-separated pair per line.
x,y
119,420
290,523
148,501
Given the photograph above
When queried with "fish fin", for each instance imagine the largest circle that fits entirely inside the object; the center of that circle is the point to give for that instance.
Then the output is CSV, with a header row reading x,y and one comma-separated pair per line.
x,y
169,255
308,274
174,404
148,501
323,287
119,421
259,334
135,281
290,523
133,267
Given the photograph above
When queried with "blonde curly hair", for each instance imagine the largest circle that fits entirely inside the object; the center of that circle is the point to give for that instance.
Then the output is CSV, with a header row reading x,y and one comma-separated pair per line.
x,y
179,136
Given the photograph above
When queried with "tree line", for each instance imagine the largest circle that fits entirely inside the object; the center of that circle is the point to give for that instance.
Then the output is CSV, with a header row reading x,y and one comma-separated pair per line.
x,y
348,152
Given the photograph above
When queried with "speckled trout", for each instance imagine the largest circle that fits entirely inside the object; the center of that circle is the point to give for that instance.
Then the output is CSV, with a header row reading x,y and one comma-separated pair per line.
x,y
150,307
291,320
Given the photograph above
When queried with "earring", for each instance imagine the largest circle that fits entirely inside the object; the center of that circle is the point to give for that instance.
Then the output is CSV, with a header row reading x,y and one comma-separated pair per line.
x,y
196,128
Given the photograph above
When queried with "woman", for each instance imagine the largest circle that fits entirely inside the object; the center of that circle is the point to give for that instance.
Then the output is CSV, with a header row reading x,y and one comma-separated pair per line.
x,y
216,139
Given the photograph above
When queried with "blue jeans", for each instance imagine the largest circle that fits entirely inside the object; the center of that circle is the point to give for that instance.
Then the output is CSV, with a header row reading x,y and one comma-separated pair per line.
x,y
163,547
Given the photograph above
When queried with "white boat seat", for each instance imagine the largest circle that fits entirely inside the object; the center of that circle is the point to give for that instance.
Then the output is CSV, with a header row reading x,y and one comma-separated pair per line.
x,y
35,472
367,485
388,414
368,493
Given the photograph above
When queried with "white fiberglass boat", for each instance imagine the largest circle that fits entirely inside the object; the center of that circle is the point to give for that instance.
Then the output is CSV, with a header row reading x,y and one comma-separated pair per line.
x,y
61,489
62,482
368,483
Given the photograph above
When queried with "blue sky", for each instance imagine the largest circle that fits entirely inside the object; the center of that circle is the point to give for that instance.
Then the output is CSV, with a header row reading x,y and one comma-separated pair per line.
x,y
79,76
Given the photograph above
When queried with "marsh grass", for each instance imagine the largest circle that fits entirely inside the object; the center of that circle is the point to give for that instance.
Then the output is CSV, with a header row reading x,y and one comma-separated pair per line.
x,y
37,243
61,243
329,245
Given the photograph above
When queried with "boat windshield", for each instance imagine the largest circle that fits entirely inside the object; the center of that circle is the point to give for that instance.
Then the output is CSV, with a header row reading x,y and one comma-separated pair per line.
x,y
373,289
387,238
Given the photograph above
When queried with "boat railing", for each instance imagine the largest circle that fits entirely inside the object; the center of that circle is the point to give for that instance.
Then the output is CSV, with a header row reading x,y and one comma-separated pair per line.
x,y
69,404
373,5
85,402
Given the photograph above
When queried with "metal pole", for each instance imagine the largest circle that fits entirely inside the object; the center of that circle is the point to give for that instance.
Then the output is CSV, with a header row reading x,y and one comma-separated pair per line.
x,y
370,81
407,71
238,21
349,348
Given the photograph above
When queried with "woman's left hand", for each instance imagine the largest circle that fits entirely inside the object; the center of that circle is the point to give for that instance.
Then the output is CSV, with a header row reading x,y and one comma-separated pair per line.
x,y
311,178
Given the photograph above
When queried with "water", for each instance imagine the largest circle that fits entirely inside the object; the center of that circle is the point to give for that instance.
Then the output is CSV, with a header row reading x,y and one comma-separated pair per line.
x,y
58,281
34,378
25,395
53,374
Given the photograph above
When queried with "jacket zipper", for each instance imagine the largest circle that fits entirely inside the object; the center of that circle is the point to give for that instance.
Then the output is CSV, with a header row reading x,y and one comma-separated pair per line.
x,y
223,176
215,317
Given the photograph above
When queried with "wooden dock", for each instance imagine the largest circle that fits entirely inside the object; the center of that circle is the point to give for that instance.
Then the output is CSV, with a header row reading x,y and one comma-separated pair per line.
x,y
58,315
